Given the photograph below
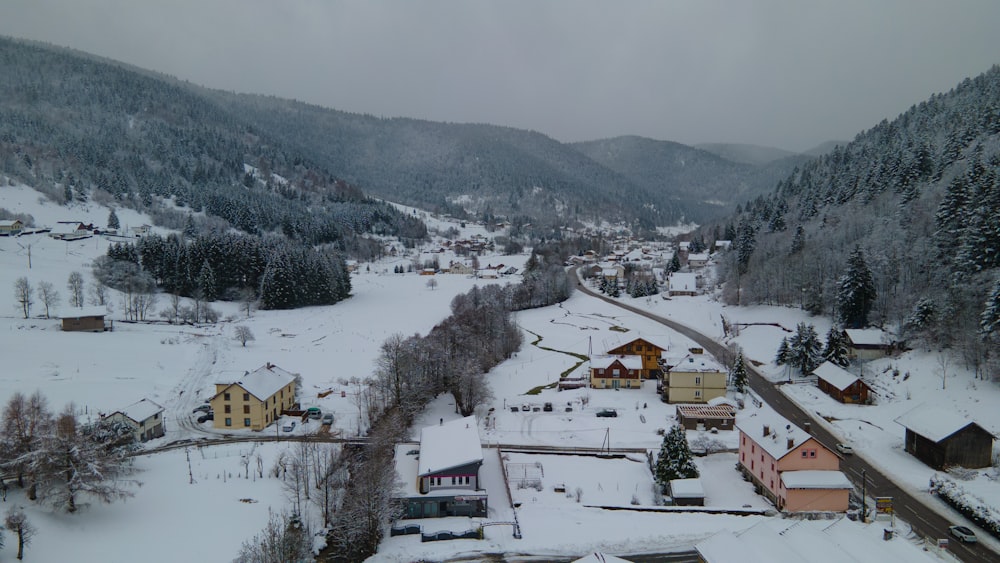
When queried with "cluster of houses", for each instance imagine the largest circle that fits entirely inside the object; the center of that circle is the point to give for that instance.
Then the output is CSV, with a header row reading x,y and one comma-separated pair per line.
x,y
64,230
694,377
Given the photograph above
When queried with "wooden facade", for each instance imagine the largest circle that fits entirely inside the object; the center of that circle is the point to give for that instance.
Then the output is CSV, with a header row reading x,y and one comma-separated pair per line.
x,y
702,417
970,447
84,322
617,373
856,392
649,352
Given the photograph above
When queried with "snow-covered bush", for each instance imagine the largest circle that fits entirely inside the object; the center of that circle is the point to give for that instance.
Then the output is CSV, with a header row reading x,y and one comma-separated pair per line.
x,y
973,507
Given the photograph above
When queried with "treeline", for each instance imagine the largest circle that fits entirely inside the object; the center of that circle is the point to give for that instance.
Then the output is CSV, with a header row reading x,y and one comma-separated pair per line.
x,y
273,271
60,462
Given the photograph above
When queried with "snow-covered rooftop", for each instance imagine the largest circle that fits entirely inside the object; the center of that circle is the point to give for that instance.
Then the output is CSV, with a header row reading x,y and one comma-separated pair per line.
x,y
697,362
265,381
866,336
782,437
683,282
141,410
835,375
815,479
686,488
600,558
450,444
630,362
79,312
779,540
618,339
933,422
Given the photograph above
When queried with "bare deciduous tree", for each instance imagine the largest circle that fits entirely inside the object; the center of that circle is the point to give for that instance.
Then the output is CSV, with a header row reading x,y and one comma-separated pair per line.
x,y
26,421
24,293
243,334
432,284
17,522
99,293
49,296
75,287
285,538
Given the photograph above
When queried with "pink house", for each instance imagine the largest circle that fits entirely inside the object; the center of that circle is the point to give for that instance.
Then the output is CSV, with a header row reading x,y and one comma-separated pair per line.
x,y
789,466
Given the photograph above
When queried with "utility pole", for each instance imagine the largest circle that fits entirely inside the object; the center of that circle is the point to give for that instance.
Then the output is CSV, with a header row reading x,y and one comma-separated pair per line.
x,y
864,511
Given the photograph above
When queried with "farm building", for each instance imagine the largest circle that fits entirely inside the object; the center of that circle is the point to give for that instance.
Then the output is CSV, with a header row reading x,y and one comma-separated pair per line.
x,y
943,438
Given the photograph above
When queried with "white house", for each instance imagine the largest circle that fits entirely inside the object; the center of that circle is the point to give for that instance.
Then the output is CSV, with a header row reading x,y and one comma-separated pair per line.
x,y
144,417
683,284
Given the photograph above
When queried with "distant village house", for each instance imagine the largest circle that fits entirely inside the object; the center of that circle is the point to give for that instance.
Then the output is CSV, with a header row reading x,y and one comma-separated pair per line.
x,y
144,417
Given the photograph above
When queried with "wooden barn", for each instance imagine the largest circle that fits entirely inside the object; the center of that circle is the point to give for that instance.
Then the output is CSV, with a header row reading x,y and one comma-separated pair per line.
x,y
943,438
705,417
84,319
840,384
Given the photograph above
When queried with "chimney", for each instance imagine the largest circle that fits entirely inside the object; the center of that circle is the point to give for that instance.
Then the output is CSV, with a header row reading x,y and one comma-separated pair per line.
x,y
767,430
791,443
269,365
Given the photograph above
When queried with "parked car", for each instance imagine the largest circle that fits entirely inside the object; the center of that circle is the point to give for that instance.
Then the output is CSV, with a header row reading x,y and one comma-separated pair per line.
x,y
203,408
328,418
963,534
206,417
514,409
547,407
607,413
289,426
314,413
845,449
526,407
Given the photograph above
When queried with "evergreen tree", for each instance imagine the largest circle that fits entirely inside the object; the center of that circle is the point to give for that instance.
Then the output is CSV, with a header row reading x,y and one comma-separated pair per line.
x,y
798,240
675,460
836,347
856,292
989,321
206,282
784,354
68,193
738,373
113,222
805,349
675,264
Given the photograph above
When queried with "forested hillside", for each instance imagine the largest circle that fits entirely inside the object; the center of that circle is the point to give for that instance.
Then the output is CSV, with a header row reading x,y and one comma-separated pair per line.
x,y
901,226
75,127
75,120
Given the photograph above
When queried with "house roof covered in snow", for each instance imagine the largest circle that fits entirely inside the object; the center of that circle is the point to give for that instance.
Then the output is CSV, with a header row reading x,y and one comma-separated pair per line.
x,y
599,557
686,488
451,444
265,381
141,410
630,362
866,336
683,281
699,257
779,540
933,422
835,375
782,436
697,363
80,312
815,479
617,340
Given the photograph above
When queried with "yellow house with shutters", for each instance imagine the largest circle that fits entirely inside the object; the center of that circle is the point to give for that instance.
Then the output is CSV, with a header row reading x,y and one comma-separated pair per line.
x,y
255,401
695,379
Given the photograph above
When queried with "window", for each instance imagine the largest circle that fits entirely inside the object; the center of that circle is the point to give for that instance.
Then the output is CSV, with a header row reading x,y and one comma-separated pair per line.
x,y
697,381
246,409
225,396
805,453
452,480
228,409
246,396
812,453
615,372
246,422
697,393
229,422
600,371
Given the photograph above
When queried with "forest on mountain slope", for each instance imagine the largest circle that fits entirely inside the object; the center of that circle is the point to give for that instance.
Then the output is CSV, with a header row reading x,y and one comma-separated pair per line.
x,y
71,119
917,199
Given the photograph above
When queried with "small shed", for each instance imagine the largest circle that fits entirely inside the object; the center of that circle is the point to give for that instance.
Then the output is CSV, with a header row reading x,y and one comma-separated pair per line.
x,y
840,384
85,319
943,438
867,343
687,492
704,417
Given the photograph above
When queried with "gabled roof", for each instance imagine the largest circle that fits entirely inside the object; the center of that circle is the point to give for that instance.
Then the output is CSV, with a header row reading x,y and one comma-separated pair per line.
x,y
141,410
935,423
697,363
264,381
617,340
66,228
835,375
81,312
598,557
815,479
451,444
866,336
686,488
683,282
780,431
630,362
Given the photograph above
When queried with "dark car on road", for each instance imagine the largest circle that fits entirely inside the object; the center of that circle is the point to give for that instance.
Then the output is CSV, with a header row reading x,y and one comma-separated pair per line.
x,y
203,408
608,413
206,417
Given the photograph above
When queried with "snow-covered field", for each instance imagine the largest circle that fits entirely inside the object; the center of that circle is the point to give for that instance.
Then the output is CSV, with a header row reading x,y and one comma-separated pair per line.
x,y
176,366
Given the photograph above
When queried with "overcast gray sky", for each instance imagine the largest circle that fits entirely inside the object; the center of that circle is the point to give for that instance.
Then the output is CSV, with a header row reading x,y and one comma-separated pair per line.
x,y
789,74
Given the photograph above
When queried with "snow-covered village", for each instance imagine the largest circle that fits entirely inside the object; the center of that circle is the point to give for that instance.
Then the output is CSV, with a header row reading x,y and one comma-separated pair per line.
x,y
570,282
607,431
